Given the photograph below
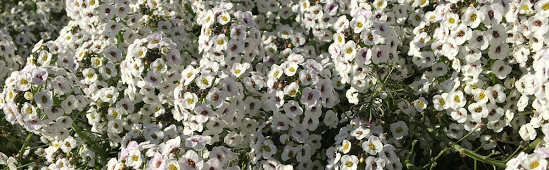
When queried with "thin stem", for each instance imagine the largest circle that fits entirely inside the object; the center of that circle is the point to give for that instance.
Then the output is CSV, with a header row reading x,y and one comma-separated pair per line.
x,y
27,141
478,157
528,148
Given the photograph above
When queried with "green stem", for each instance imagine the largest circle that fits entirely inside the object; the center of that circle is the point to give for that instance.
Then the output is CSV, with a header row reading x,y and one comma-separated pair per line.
x,y
478,157
88,140
526,149
27,141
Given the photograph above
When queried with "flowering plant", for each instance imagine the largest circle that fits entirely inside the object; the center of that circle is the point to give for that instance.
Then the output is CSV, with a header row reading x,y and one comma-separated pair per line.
x,y
274,84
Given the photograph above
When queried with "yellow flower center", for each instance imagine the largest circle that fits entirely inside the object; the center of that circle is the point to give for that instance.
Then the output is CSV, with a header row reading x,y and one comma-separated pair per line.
x,y
349,50
292,69
276,73
545,6
482,95
205,81
172,167
349,164
346,146
267,148
457,99
380,3
399,129
420,103
473,17
441,102
190,101
293,92
525,7
23,82
534,164
372,146
452,20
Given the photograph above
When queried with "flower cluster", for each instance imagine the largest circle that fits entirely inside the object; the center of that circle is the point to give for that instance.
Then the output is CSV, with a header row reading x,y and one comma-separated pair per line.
x,y
42,100
275,84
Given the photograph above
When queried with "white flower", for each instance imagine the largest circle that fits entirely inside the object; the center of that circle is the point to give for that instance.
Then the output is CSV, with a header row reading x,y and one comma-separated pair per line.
x,y
204,81
479,40
527,132
358,24
310,96
284,167
478,110
134,158
68,144
292,109
535,162
480,95
373,145
188,75
23,82
420,104
360,133
276,72
238,69
495,94
339,39
224,18
380,4
452,20
189,100
43,99
292,89
268,149
461,34
456,99
439,101
345,146
220,42
472,17
501,69
90,76
349,162
399,129
522,103
349,50
352,95
330,119
459,115
542,7
420,3
341,24
290,68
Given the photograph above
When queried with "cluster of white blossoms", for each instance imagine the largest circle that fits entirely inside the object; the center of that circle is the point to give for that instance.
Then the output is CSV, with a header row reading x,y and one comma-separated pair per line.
x,y
8,58
279,84
22,24
41,99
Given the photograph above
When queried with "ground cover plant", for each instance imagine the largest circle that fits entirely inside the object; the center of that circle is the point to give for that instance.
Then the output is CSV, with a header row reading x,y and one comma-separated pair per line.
x,y
274,84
